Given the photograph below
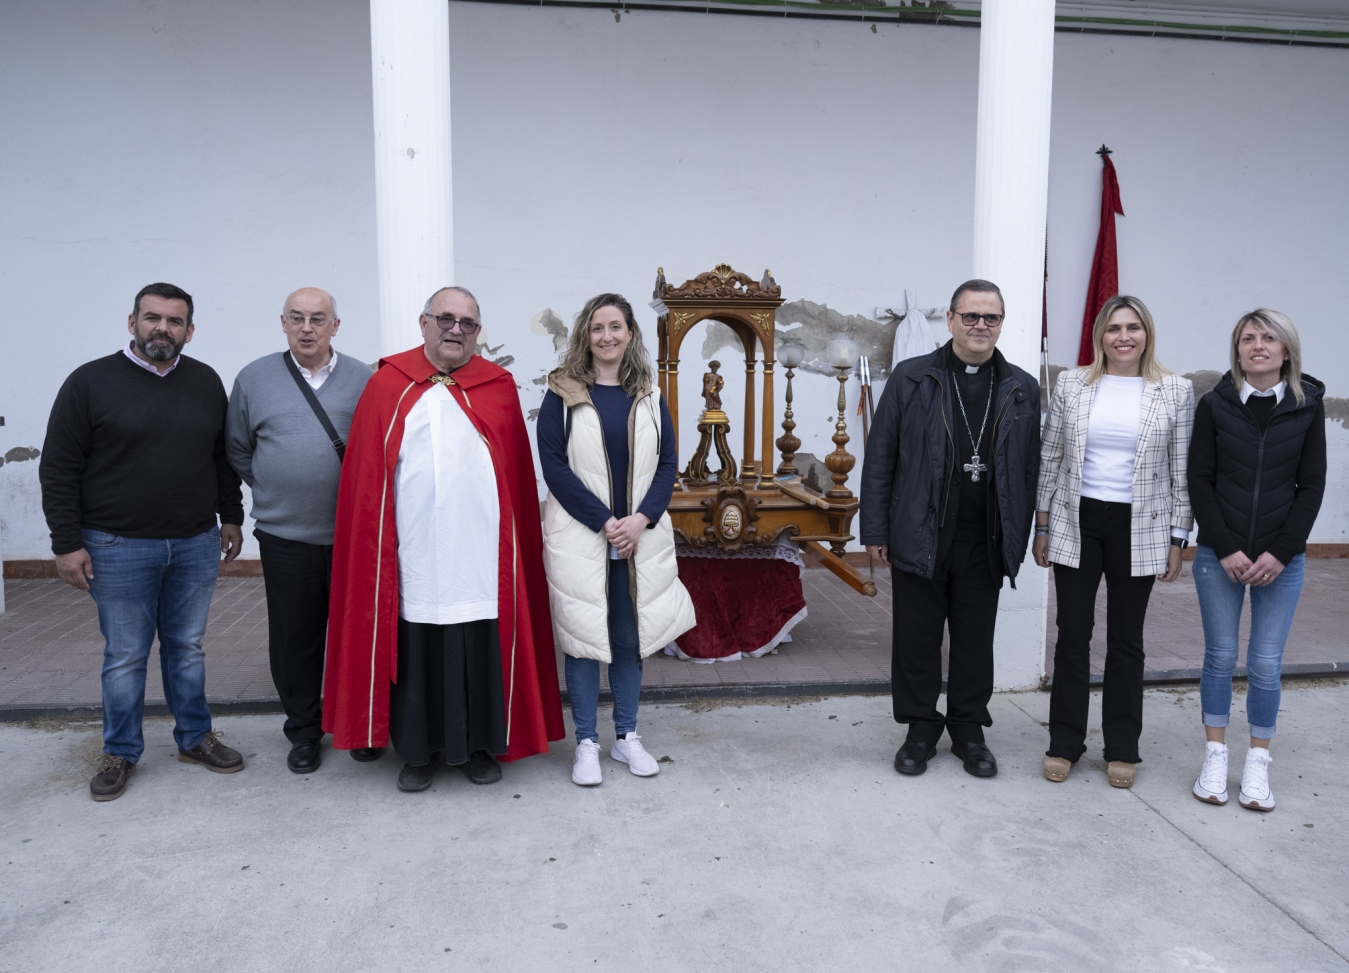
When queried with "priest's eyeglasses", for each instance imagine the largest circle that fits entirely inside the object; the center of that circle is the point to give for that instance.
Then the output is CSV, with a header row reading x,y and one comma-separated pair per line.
x,y
446,322
971,320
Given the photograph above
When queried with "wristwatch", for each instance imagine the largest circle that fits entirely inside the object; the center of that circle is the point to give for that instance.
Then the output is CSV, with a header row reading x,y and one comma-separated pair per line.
x,y
1180,542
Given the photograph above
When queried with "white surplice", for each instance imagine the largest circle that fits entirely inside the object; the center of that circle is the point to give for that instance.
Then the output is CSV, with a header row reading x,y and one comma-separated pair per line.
x,y
448,516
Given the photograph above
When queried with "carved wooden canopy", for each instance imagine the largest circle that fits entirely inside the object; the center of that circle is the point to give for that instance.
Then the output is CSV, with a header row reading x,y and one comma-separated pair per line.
x,y
747,307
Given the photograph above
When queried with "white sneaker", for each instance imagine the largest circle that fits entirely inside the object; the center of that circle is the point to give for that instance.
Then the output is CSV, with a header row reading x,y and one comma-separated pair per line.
x,y
1212,783
585,768
1255,791
632,753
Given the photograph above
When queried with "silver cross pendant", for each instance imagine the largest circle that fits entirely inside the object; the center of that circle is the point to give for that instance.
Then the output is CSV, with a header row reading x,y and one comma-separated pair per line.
x,y
974,468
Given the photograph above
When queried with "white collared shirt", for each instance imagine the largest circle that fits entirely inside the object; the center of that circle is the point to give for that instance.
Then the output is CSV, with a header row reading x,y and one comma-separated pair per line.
x,y
1247,390
151,368
318,376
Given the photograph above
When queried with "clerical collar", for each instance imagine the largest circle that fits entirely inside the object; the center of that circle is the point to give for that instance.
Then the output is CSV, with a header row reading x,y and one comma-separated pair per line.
x,y
956,360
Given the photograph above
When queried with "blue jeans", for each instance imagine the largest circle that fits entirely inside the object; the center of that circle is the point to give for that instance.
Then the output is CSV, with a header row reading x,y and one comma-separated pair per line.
x,y
625,671
143,586
1272,608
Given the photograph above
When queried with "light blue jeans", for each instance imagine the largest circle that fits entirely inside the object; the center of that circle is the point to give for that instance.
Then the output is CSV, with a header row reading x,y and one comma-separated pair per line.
x,y
625,671
1272,608
145,586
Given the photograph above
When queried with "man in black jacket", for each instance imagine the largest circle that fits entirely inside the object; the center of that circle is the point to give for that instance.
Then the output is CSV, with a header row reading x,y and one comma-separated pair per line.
x,y
948,493
133,476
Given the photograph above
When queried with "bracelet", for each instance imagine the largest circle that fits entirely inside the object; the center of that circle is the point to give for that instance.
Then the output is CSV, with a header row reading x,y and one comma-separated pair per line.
x,y
1041,530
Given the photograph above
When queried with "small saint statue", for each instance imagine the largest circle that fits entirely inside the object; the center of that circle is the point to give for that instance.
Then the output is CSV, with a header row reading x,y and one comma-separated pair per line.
x,y
712,385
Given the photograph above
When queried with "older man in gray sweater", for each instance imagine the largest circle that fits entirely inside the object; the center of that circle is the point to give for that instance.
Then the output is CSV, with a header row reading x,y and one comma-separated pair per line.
x,y
288,418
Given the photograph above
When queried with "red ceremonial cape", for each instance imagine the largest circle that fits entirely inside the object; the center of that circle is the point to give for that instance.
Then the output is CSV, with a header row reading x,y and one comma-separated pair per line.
x,y
362,659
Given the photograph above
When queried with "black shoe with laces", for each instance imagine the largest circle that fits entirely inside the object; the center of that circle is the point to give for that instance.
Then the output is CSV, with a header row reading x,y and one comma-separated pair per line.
x,y
977,758
304,757
110,781
912,758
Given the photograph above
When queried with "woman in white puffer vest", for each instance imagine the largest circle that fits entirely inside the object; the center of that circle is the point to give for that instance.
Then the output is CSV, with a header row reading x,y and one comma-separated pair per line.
x,y
607,447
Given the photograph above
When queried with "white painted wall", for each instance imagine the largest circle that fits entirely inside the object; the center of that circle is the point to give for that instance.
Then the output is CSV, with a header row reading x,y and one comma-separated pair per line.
x,y
228,148
224,147
1230,161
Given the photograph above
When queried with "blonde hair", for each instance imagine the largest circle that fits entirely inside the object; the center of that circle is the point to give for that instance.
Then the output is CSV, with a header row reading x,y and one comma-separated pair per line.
x,y
1281,327
1148,366
578,362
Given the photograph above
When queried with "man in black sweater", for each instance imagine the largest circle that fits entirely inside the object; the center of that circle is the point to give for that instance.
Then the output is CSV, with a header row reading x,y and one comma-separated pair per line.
x,y
134,474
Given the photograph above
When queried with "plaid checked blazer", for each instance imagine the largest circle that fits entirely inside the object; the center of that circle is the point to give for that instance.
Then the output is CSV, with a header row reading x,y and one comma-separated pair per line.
x,y
1161,496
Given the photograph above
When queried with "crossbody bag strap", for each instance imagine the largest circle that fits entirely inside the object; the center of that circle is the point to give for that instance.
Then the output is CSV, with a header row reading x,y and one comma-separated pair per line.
x,y
313,401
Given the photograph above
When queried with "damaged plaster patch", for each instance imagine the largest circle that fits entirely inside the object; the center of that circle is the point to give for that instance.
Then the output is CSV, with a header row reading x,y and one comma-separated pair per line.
x,y
21,453
814,326
1203,381
549,322
818,324
1337,410
486,351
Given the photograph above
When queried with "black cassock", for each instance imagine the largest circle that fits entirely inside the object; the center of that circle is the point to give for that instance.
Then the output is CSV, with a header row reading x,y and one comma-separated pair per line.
x,y
448,697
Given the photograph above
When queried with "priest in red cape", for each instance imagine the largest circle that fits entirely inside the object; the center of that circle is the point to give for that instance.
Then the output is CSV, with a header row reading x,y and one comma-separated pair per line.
x,y
439,634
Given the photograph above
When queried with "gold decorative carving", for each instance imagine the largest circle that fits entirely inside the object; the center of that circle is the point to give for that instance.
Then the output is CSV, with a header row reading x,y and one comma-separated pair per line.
x,y
721,283
763,320
681,318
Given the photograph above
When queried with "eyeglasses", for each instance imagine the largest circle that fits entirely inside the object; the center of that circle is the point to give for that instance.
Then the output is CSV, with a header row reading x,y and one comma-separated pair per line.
x,y
298,320
971,320
446,322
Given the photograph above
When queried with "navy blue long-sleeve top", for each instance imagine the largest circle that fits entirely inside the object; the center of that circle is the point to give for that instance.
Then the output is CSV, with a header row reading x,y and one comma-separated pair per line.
x,y
613,405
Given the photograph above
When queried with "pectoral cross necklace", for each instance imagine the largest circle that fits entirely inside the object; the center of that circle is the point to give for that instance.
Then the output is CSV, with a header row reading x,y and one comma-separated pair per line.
x,y
974,467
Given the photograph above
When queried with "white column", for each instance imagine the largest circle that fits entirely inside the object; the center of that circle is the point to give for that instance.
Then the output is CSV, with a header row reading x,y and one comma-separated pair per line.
x,y
1011,187
414,202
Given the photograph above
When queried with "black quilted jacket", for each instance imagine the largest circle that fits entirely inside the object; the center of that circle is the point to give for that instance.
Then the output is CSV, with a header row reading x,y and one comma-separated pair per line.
x,y
1253,489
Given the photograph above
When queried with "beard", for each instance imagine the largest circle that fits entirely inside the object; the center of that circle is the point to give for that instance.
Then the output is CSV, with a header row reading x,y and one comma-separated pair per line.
x,y
158,346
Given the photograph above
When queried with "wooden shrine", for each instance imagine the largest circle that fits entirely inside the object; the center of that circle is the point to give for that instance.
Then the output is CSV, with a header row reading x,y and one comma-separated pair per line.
x,y
747,504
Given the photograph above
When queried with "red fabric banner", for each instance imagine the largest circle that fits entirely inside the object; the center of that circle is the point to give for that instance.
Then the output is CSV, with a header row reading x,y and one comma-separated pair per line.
x,y
1104,283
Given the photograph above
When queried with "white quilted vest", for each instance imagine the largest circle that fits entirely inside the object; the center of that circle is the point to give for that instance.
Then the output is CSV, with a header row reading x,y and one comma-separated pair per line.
x,y
576,557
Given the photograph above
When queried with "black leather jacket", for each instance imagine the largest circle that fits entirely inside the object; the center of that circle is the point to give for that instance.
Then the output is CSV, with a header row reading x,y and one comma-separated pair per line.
x,y
912,447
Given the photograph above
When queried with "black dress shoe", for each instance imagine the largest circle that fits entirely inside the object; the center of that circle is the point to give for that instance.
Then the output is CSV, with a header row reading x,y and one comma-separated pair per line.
x,y
912,758
978,759
367,754
482,768
304,757
416,778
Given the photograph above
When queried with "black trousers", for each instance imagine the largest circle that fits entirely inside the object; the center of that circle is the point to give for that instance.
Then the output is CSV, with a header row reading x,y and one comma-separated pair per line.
x,y
1106,539
297,576
962,596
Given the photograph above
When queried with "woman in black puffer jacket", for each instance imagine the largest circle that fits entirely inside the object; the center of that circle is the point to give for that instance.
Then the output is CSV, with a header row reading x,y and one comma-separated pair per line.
x,y
1257,472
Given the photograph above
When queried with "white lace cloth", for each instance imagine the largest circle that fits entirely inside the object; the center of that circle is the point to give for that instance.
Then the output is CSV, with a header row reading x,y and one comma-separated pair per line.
x,y
785,549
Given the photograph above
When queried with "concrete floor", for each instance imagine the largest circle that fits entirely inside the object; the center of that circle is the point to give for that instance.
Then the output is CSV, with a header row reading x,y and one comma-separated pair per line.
x,y
778,838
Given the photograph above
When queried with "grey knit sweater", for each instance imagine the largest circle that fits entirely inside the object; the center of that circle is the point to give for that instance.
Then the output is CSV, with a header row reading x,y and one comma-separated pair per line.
x,y
278,446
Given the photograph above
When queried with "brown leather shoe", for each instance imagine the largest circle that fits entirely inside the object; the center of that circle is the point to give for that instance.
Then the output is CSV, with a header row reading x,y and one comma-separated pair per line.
x,y
1057,768
110,782
1121,774
213,755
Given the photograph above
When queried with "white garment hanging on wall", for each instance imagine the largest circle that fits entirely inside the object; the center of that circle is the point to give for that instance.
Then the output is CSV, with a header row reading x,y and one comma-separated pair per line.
x,y
913,336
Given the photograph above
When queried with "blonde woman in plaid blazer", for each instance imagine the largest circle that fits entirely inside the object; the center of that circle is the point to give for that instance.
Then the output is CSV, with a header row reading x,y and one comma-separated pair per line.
x,y
1112,500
